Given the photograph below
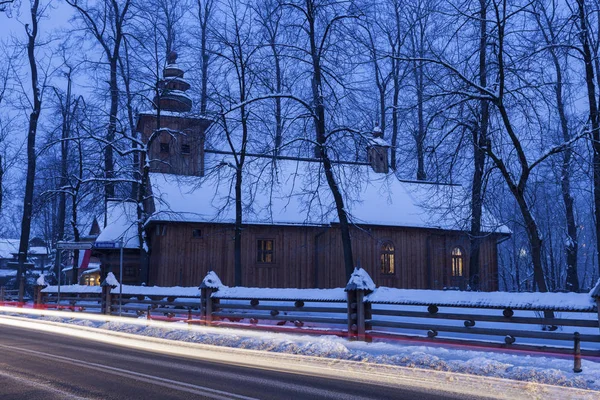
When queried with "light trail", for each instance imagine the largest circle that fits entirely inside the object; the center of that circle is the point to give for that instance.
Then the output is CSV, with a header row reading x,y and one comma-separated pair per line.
x,y
384,375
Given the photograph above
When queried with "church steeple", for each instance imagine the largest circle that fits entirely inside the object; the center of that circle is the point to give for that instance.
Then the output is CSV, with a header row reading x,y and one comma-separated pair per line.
x,y
175,139
172,88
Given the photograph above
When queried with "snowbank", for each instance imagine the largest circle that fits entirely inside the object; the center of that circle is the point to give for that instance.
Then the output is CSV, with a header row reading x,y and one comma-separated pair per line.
x,y
243,293
520,301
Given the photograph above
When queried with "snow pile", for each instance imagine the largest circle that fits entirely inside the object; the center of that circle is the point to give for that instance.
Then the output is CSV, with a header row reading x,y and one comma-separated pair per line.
x,y
41,281
111,280
211,281
522,301
72,289
360,280
595,292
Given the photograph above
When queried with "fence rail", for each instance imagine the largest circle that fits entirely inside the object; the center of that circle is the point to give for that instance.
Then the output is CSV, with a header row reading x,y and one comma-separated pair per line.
x,y
361,312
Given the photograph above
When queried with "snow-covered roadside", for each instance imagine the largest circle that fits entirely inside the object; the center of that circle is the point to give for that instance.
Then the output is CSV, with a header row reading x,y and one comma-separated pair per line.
x,y
517,366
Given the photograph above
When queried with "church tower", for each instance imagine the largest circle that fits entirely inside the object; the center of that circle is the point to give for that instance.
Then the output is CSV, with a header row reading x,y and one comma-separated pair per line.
x,y
175,137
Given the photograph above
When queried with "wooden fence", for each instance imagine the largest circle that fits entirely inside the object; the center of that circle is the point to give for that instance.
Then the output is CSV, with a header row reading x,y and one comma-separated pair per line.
x,y
8,295
559,322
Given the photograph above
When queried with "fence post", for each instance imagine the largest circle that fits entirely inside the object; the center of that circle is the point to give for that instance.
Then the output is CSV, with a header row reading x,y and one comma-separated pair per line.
x,y
595,294
210,284
576,353
37,291
359,285
107,287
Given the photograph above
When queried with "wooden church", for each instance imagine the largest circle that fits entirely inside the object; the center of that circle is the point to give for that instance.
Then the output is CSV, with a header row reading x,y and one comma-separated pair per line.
x,y
405,234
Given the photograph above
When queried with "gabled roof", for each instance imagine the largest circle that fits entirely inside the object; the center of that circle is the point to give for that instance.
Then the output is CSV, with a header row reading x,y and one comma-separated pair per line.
x,y
10,247
121,224
296,193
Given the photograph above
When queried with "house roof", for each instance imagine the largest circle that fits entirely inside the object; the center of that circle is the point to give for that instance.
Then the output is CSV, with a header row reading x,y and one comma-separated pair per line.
x,y
121,224
10,247
296,193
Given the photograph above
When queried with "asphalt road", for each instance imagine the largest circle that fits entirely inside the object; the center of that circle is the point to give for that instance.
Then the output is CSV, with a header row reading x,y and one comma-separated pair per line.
x,y
39,365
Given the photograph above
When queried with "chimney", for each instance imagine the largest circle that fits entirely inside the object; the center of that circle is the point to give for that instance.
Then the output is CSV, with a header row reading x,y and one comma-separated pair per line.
x,y
377,152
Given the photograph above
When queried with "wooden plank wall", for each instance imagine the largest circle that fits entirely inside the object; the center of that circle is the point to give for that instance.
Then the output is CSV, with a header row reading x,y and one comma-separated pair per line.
x,y
422,256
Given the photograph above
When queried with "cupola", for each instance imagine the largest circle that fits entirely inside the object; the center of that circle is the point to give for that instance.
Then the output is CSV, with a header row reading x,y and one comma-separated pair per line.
x,y
172,88
377,151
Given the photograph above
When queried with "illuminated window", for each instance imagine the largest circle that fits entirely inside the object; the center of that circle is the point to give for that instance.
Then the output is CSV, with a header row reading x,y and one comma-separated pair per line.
x,y
265,251
458,261
387,258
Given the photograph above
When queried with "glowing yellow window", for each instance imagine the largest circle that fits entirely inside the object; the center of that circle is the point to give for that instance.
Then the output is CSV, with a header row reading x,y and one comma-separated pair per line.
x,y
387,258
458,261
265,251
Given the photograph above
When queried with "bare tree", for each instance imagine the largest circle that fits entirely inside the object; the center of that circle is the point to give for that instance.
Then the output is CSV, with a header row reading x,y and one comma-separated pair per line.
x,y
105,20
36,94
546,22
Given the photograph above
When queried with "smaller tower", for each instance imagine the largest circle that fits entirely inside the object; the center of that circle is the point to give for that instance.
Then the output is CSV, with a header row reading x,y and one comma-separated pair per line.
x,y
377,152
172,88
174,135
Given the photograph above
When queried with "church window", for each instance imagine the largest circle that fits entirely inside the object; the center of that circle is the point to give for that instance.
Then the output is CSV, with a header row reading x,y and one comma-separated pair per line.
x,y
458,262
387,257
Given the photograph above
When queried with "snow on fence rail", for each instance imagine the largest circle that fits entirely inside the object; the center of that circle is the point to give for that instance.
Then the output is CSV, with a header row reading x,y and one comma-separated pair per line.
x,y
360,311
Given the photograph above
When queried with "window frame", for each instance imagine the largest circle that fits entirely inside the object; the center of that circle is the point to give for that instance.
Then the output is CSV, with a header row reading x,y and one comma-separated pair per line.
x,y
455,258
164,148
262,251
194,236
188,149
387,257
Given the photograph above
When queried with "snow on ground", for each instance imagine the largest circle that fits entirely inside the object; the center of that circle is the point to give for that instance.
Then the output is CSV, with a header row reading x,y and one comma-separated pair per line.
x,y
522,366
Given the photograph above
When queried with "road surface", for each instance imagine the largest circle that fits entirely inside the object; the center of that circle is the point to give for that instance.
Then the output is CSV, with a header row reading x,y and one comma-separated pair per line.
x,y
42,365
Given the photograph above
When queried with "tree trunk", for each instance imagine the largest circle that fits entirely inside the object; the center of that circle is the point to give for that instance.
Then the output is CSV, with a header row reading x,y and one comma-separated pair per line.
x,y
64,164
31,156
479,143
320,130
594,117
204,11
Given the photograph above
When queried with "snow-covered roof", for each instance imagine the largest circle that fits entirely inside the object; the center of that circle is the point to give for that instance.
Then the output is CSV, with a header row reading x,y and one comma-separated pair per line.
x,y
177,114
121,224
378,141
9,247
38,251
521,301
295,193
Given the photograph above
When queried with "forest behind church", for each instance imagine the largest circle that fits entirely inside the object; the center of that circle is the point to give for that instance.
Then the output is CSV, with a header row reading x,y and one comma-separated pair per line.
x,y
498,96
